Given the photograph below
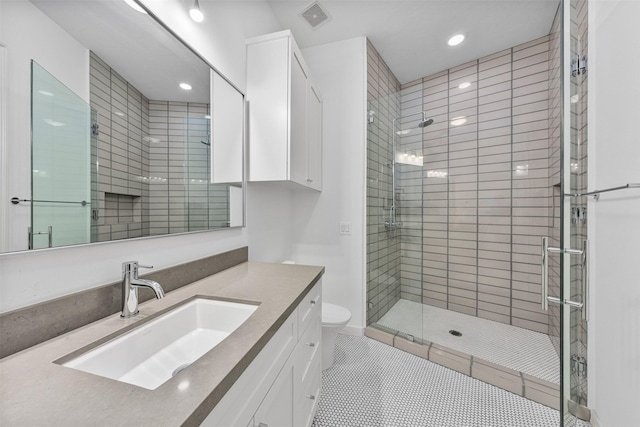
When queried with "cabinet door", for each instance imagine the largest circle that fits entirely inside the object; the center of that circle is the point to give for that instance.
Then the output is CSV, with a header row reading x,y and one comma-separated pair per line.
x,y
276,410
268,96
314,138
298,123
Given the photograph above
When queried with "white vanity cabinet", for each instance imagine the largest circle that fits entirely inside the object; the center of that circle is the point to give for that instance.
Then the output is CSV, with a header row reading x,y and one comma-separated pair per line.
x,y
281,387
285,113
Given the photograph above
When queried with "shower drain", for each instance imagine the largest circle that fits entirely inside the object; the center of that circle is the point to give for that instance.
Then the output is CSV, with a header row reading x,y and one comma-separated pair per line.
x,y
455,333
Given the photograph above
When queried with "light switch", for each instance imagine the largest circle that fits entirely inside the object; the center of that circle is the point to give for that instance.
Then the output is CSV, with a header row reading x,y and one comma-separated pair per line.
x,y
345,228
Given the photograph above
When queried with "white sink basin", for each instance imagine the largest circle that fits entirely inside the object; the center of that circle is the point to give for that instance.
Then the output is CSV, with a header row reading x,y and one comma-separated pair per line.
x,y
149,355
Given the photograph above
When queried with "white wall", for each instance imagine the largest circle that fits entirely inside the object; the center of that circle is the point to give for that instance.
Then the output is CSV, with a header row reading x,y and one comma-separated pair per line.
x,y
614,159
269,215
339,70
220,38
29,34
26,278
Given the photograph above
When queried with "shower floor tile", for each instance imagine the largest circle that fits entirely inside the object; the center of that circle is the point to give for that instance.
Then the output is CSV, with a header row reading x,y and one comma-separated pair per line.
x,y
510,346
375,385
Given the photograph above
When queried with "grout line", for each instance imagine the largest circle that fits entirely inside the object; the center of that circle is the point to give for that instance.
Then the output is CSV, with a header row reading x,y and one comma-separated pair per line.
x,y
471,365
477,184
448,178
511,198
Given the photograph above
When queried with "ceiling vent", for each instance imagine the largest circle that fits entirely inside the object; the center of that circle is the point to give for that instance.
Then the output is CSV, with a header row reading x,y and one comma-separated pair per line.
x,y
314,15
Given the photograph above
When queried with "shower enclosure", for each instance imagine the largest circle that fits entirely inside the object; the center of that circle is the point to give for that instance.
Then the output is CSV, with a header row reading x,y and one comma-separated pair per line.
x,y
457,212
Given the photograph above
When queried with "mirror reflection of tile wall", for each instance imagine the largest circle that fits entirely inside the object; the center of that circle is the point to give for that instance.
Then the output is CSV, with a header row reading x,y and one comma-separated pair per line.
x,y
123,154
153,163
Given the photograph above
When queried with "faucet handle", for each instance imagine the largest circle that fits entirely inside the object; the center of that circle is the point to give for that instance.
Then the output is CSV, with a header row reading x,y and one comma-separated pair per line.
x,y
132,267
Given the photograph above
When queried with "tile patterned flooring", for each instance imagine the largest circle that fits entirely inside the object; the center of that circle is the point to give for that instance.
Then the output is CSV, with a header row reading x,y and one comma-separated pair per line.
x,y
374,385
510,346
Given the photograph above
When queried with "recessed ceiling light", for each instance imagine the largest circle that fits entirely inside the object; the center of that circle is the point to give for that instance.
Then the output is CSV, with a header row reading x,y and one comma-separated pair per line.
x,y
135,6
457,121
464,85
185,86
456,40
195,13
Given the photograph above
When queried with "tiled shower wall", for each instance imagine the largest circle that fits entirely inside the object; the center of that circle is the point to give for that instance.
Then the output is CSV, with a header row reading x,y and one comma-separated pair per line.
x,y
484,190
180,195
123,154
383,248
153,175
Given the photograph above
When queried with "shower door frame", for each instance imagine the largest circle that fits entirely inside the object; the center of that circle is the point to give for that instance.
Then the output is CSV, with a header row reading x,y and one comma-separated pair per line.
x,y
567,414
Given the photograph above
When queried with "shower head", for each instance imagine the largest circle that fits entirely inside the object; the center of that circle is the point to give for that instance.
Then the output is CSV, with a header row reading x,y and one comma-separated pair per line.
x,y
425,122
421,124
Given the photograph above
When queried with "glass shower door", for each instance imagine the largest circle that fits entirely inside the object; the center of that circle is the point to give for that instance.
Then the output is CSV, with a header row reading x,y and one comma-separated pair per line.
x,y
394,300
61,164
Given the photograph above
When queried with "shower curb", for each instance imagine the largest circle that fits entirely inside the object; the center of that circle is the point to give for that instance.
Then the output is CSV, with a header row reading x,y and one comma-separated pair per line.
x,y
516,382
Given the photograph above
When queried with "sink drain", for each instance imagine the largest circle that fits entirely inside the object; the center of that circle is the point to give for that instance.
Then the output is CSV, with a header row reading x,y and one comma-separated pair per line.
x,y
179,369
455,333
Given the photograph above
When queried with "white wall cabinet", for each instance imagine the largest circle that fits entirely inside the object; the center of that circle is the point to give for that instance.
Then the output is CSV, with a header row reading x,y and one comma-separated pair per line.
x,y
285,113
281,387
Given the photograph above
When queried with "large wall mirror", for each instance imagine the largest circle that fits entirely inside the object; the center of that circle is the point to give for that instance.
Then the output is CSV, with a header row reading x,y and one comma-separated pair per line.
x,y
129,132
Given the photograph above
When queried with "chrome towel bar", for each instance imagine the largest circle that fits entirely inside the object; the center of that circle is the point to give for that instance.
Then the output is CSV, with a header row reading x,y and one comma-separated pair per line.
x,y
596,193
16,200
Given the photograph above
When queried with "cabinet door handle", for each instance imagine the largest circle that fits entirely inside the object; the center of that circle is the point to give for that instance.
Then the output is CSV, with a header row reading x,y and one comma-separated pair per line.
x,y
311,344
311,396
263,425
312,302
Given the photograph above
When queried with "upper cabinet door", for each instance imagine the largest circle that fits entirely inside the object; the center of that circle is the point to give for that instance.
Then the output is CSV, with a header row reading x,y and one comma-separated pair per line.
x,y
314,140
299,132
268,96
285,114
227,141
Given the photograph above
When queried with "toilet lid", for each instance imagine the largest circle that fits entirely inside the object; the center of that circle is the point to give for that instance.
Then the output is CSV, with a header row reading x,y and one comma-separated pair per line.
x,y
334,314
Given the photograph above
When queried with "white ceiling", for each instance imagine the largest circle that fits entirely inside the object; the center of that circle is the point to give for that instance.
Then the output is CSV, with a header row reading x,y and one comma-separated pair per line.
x,y
411,35
134,45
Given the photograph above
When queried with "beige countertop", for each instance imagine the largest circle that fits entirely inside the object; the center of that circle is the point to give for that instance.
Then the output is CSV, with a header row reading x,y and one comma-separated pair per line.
x,y
35,391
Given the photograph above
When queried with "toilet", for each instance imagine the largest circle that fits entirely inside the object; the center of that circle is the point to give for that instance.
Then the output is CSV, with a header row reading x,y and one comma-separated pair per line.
x,y
334,318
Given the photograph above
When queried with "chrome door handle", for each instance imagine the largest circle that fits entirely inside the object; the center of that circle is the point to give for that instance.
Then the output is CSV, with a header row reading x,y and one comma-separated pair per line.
x,y
546,249
544,301
585,280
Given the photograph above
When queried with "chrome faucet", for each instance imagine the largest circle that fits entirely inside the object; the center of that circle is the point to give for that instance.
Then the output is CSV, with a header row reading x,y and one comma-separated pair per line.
x,y
130,285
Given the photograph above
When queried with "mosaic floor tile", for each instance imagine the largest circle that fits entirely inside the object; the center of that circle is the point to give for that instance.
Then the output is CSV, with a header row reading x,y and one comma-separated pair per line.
x,y
376,385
